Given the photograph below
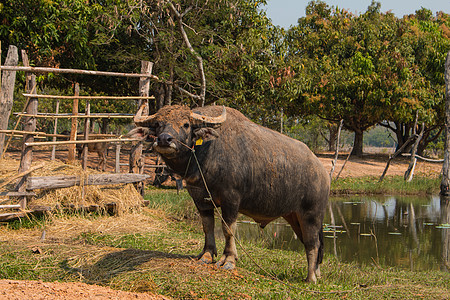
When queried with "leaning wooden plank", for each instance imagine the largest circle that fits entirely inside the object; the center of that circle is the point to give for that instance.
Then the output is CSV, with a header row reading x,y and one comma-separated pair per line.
x,y
10,206
12,216
11,179
35,211
53,182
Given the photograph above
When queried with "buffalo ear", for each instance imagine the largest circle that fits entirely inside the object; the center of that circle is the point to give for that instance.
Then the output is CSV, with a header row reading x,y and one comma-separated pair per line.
x,y
142,133
206,134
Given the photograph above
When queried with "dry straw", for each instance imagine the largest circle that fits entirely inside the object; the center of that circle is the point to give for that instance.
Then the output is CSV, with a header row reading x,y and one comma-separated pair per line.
x,y
124,196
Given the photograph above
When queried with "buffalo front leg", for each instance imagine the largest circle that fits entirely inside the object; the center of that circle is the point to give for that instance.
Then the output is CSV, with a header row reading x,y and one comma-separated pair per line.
x,y
229,257
209,249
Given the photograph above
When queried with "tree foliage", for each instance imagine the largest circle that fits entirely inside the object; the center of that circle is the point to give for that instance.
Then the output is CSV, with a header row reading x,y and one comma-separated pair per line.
x,y
366,69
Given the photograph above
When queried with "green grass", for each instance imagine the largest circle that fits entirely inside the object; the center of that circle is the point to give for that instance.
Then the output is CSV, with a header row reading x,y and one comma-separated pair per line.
x,y
161,261
390,185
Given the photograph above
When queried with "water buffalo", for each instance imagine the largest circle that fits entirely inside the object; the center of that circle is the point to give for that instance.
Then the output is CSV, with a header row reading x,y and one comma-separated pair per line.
x,y
247,168
100,148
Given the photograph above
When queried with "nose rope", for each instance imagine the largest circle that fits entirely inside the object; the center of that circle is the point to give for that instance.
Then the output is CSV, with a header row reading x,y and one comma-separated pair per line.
x,y
273,277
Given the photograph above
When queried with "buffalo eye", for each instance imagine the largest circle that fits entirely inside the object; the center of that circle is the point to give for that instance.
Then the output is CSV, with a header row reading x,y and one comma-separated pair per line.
x,y
186,125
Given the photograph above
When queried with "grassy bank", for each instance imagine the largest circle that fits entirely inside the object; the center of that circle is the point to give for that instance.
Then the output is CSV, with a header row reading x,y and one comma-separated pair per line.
x,y
420,185
153,250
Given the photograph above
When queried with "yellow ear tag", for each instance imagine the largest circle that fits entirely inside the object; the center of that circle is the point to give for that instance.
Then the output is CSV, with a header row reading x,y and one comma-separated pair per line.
x,y
199,142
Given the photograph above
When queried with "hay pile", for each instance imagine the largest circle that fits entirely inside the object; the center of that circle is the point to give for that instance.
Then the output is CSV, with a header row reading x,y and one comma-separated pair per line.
x,y
124,196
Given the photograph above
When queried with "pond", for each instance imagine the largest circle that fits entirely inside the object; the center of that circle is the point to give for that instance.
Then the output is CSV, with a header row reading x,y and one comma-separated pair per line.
x,y
406,232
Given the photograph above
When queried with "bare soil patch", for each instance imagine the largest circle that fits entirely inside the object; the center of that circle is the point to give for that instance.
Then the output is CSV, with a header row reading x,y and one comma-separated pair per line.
x,y
28,289
374,165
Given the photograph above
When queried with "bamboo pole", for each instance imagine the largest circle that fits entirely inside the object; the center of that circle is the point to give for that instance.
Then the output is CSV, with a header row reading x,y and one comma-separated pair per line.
x,y
91,97
39,133
55,130
78,142
53,116
86,136
75,71
74,125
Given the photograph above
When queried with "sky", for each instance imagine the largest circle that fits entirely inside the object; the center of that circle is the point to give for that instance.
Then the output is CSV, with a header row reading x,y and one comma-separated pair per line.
x,y
286,12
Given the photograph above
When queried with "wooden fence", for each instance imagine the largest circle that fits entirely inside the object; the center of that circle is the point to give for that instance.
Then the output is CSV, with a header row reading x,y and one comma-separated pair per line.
x,y
27,184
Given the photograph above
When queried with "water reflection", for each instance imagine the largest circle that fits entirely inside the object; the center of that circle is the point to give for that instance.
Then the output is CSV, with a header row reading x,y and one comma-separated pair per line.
x,y
406,232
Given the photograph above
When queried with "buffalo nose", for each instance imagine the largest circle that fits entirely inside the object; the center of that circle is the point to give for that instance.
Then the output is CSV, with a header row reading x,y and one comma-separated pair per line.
x,y
164,139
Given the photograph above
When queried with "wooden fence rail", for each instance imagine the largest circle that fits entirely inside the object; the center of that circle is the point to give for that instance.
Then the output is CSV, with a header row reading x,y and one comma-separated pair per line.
x,y
30,114
54,116
78,142
76,71
89,97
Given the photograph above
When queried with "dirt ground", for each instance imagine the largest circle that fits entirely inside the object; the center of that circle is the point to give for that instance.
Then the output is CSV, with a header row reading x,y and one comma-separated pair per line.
x,y
36,290
374,165
369,165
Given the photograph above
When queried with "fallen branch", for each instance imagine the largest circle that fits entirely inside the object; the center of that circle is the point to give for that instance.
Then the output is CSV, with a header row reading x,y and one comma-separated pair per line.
x,y
391,157
409,174
336,155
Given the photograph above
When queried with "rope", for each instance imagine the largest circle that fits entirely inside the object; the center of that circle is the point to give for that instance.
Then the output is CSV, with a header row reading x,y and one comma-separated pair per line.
x,y
242,246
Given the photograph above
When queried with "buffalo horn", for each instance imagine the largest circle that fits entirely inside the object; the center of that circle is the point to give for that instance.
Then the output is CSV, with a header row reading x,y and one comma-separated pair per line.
x,y
139,119
209,120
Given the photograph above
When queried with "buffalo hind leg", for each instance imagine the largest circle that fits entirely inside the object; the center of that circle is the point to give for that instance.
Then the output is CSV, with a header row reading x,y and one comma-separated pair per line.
x,y
308,231
101,161
209,249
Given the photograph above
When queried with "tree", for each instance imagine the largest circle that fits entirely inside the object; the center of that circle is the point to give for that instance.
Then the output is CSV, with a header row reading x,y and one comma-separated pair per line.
x,y
356,68
428,39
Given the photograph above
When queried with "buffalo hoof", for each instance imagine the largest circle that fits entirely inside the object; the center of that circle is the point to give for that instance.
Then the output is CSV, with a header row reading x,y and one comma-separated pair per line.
x,y
228,266
311,279
206,258
226,263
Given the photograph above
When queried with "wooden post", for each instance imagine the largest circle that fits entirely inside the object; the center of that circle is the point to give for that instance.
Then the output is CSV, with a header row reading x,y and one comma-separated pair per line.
x,y
445,183
73,130
86,135
7,92
27,152
118,147
55,130
136,158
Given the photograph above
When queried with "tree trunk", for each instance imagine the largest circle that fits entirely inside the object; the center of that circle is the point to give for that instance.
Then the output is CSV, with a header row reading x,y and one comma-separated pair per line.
x,y
7,92
333,131
104,125
358,143
445,183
